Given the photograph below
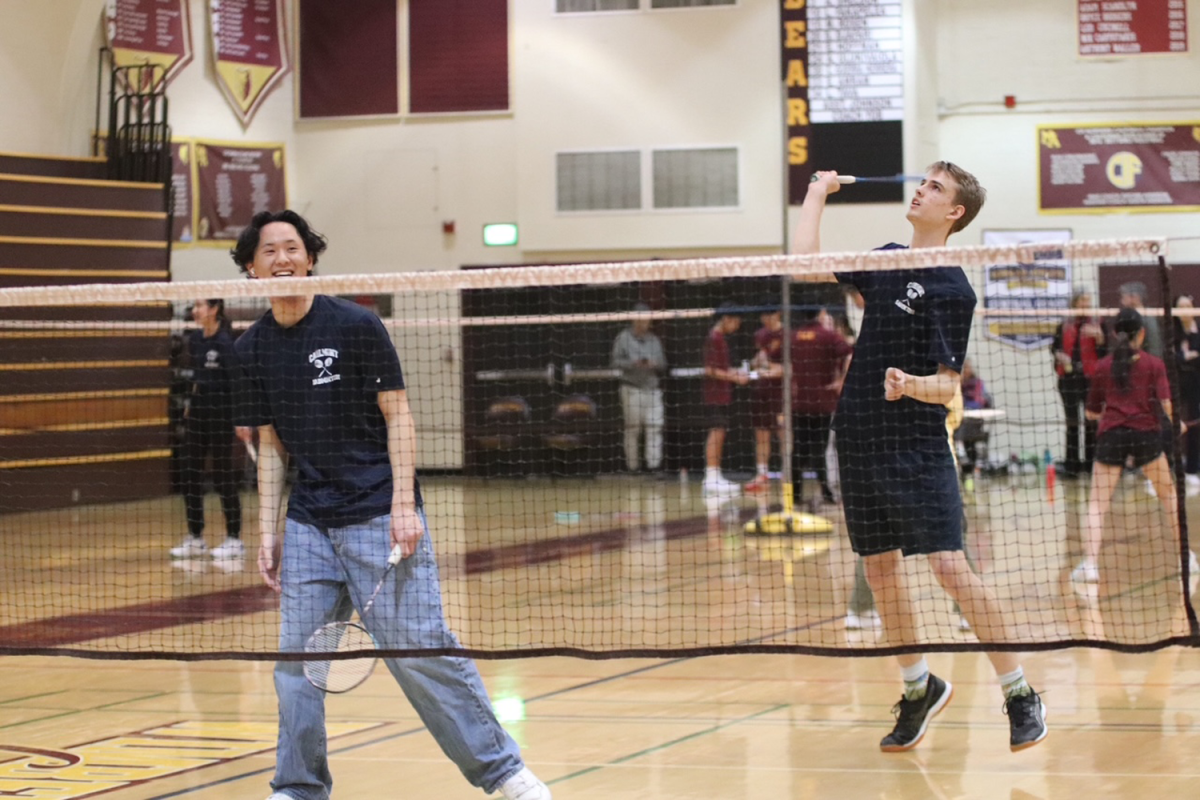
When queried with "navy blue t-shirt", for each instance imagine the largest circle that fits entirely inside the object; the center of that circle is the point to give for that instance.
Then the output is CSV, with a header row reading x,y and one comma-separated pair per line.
x,y
214,375
317,383
914,320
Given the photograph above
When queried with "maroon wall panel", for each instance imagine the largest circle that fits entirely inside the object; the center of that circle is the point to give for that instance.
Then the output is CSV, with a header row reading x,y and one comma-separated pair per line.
x,y
348,58
458,55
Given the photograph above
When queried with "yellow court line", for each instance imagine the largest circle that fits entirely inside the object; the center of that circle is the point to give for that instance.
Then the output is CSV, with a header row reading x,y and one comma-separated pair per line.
x,y
66,461
114,332
84,212
83,242
110,394
42,366
12,176
86,273
72,427
87,159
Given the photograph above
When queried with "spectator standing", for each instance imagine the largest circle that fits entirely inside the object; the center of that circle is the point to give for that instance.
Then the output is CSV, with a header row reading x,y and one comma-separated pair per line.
x,y
1077,347
638,353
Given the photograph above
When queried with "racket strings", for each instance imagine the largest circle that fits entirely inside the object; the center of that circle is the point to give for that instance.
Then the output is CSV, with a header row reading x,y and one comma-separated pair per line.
x,y
339,675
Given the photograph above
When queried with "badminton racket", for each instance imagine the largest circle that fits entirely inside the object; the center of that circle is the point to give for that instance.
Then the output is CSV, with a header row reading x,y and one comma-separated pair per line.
x,y
848,179
335,676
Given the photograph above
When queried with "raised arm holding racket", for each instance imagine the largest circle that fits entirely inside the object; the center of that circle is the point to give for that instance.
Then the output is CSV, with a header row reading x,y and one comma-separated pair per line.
x,y
324,387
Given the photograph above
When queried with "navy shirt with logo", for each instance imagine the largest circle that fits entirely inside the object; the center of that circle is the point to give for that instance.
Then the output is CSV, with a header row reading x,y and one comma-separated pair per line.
x,y
317,383
214,375
914,320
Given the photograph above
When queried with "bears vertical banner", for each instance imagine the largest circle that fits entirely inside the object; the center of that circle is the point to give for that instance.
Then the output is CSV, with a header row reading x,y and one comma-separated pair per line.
x,y
794,18
155,32
249,46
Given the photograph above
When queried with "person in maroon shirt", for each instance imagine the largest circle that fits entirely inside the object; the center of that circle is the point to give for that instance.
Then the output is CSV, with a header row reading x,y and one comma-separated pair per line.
x,y
1129,394
820,356
719,379
766,404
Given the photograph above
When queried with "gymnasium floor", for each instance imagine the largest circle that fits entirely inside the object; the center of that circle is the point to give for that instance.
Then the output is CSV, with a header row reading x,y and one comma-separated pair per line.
x,y
605,563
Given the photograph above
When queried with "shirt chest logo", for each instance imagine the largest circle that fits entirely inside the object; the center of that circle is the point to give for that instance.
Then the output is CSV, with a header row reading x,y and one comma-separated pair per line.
x,y
212,359
323,360
912,296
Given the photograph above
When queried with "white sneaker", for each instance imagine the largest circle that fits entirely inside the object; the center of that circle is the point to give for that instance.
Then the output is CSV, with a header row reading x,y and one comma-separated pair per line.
x,y
524,786
721,488
1086,572
1192,480
191,547
1150,488
229,549
963,623
280,796
867,619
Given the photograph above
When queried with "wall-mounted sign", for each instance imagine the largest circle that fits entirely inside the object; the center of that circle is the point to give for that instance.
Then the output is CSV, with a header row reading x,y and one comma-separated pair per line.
x,y
249,51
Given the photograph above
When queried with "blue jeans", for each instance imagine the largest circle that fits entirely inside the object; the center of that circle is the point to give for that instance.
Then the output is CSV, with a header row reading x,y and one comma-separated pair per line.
x,y
325,575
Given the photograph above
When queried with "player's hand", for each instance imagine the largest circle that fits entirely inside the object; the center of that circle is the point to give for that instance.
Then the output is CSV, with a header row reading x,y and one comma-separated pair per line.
x,y
741,378
894,383
245,433
825,183
269,551
407,529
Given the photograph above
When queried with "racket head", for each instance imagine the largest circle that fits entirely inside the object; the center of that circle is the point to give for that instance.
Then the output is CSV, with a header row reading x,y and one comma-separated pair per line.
x,y
340,675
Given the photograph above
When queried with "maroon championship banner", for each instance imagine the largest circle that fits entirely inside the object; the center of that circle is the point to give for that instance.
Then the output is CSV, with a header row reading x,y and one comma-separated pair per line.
x,y
1132,27
249,51
794,19
183,225
150,32
233,182
1105,168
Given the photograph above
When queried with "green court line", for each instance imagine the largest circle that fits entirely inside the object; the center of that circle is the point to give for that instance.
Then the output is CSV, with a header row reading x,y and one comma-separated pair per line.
x,y
665,745
76,711
31,697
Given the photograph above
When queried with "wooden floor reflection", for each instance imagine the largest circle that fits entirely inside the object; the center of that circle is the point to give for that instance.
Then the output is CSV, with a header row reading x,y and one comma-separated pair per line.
x,y
745,726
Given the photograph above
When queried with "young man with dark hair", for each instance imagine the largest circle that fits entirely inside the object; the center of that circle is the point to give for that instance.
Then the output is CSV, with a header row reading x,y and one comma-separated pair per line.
x,y
323,385
898,476
819,359
719,380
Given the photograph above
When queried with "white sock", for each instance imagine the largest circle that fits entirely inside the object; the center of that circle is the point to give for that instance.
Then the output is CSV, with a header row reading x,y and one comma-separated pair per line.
x,y
916,680
762,470
916,671
712,474
1013,683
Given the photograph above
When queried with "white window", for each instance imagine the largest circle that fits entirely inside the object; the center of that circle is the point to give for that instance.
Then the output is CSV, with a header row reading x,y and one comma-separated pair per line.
x,y
603,181
696,178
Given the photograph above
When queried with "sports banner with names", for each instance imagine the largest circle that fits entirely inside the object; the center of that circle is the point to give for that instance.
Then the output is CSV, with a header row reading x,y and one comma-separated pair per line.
x,y
1102,168
1110,28
1043,284
157,32
249,47
233,182
183,229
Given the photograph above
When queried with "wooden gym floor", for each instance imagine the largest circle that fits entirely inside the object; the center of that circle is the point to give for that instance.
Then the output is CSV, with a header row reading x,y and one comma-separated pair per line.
x,y
741,726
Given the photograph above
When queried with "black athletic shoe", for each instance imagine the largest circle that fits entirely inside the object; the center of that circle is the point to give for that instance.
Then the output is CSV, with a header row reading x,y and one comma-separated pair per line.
x,y
1026,719
913,716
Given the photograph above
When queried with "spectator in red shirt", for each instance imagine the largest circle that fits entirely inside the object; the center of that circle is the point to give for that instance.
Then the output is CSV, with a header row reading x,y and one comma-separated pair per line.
x,y
820,356
766,403
1078,346
1129,394
719,380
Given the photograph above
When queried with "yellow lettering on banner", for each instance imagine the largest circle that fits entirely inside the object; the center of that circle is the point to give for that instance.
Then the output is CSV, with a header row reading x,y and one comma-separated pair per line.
x,y
794,5
798,150
794,34
797,111
796,74
1050,140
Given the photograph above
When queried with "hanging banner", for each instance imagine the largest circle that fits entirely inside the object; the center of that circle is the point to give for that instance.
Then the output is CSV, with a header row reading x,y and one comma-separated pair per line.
x,y
794,19
1110,28
249,48
157,32
233,182
1044,284
1102,169
183,224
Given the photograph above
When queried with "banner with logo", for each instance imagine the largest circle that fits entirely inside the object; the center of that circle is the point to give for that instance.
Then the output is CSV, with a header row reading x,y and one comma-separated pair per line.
x,y
249,48
155,32
233,182
1121,167
1044,284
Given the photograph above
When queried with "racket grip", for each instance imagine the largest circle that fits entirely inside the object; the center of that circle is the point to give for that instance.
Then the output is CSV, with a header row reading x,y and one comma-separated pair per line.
x,y
395,556
844,180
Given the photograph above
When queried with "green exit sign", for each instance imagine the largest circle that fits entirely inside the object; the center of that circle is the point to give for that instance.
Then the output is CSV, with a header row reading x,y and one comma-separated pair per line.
x,y
500,234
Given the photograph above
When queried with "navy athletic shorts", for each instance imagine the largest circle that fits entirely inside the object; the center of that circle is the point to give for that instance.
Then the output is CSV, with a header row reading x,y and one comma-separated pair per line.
x,y
907,500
